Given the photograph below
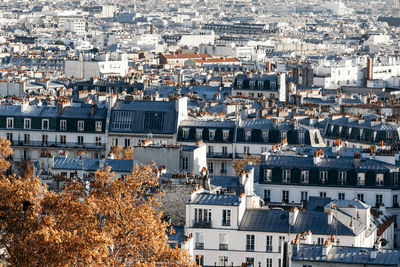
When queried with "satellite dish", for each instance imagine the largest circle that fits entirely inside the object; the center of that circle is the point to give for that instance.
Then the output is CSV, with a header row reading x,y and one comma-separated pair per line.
x,y
383,242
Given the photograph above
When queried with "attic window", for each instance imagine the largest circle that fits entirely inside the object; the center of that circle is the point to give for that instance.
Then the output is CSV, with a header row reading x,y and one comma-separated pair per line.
x,y
185,133
247,135
265,136
199,134
225,135
211,135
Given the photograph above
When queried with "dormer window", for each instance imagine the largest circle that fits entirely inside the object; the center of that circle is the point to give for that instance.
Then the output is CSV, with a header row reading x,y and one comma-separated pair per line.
x,y
199,134
225,135
27,123
395,177
252,85
286,176
342,178
379,179
301,137
211,135
267,175
247,135
389,136
260,85
283,135
240,84
305,176
273,86
185,133
45,124
265,136
81,126
360,178
10,123
323,177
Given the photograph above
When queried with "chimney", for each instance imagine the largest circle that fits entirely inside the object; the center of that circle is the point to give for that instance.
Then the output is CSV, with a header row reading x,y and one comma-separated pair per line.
x,y
295,246
24,105
318,154
151,29
93,109
293,215
369,68
327,247
330,217
373,253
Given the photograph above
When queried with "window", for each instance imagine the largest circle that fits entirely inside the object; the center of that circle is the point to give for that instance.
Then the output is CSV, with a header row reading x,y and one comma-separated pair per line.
x,y
202,215
395,201
269,262
320,241
265,136
395,178
63,139
80,140
379,200
281,240
223,241
224,150
223,261
199,260
379,179
305,176
267,195
322,194
246,150
225,135
27,123
199,134
45,139
153,120
63,125
341,196
27,138
81,125
211,135
283,135
250,242
45,124
226,217
247,135
269,243
185,133
10,137
323,177
285,196
301,138
98,141
127,142
199,240
304,196
286,176
122,120
267,175
99,126
210,166
360,196
223,168
10,123
115,142
185,163
360,178
342,178
249,262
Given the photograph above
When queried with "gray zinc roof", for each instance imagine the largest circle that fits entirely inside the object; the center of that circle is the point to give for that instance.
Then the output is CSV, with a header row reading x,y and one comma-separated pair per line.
x,y
347,255
216,199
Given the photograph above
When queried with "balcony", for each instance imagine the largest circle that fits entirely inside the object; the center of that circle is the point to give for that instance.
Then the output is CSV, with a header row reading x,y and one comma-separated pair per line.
x,y
223,246
202,224
199,246
219,155
58,144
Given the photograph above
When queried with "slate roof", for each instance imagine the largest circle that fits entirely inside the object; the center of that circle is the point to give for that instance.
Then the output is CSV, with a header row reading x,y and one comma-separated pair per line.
x,y
339,163
347,255
32,111
263,220
215,199
89,164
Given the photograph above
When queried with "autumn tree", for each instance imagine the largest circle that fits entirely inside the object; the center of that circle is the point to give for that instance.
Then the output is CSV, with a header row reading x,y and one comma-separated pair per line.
x,y
111,222
122,153
240,164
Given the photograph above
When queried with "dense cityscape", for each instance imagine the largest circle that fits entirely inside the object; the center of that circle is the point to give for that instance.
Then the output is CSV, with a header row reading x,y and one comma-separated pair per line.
x,y
200,133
